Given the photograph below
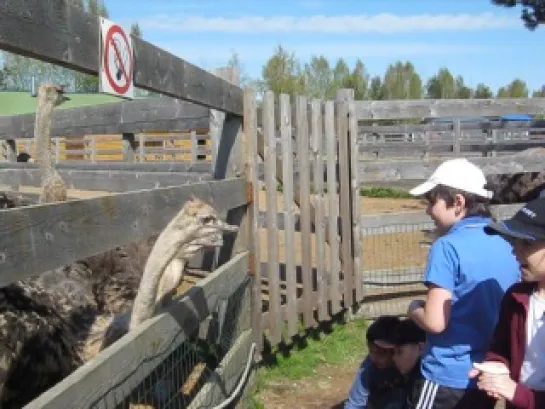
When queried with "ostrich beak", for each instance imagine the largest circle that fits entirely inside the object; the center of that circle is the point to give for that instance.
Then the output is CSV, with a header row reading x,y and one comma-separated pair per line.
x,y
228,228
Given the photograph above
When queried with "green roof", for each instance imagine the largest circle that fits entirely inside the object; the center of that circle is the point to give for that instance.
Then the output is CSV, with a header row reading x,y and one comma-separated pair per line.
x,y
15,103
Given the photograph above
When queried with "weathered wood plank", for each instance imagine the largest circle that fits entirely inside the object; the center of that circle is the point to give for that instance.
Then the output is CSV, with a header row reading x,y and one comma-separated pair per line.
x,y
333,206
303,152
317,140
50,236
250,133
143,115
383,171
435,108
275,327
449,127
129,360
289,211
119,166
27,27
356,201
104,180
347,265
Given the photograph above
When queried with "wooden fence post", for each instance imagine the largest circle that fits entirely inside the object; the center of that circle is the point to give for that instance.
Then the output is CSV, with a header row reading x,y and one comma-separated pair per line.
x,y
129,147
11,156
345,194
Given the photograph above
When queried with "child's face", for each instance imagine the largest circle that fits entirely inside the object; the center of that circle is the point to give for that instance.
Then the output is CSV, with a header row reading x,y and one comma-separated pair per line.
x,y
381,357
406,357
443,216
531,256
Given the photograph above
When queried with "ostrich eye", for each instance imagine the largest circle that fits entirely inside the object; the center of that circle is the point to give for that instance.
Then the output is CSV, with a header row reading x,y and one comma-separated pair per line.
x,y
208,219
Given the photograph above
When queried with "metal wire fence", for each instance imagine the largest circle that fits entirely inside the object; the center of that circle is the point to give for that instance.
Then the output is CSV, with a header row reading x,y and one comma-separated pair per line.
x,y
193,372
394,258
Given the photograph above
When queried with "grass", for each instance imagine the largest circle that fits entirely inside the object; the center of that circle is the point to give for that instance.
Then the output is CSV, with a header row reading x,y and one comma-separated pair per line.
x,y
372,191
342,345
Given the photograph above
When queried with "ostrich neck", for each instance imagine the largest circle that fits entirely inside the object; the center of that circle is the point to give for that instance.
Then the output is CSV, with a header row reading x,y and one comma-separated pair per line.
x,y
42,137
162,253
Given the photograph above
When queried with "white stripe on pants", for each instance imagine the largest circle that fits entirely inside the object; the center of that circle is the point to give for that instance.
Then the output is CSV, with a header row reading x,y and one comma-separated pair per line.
x,y
427,395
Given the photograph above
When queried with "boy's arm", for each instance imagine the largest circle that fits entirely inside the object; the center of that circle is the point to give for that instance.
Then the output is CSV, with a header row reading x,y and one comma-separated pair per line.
x,y
359,392
433,315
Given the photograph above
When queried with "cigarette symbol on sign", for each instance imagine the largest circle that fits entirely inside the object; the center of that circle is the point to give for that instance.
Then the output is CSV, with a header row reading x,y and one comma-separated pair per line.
x,y
121,59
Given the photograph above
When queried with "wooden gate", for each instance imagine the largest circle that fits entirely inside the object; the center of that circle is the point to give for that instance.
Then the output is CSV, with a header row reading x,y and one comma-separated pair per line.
x,y
306,247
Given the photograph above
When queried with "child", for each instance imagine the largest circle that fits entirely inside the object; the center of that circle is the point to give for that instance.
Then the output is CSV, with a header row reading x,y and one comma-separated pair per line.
x,y
377,375
467,274
409,345
519,338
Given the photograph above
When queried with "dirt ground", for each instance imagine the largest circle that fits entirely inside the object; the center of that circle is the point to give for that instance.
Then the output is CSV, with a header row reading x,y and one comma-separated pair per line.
x,y
385,251
327,389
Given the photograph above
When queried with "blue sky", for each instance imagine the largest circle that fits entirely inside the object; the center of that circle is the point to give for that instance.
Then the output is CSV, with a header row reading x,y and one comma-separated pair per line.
x,y
473,38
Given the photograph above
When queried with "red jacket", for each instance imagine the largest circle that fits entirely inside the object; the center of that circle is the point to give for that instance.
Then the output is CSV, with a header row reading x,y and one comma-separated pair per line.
x,y
509,343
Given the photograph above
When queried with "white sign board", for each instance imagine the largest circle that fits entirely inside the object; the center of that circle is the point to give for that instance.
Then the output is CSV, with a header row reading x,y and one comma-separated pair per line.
x,y
116,73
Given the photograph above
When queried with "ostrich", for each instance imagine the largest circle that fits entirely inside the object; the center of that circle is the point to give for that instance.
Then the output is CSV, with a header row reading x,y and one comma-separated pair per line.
x,y
53,187
46,333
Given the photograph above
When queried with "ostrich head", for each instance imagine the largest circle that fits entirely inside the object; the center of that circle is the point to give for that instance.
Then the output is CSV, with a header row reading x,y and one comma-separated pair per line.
x,y
204,226
197,226
52,95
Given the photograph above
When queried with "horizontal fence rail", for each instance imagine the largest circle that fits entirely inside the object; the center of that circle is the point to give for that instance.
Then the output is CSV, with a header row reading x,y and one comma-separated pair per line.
x,y
53,235
27,26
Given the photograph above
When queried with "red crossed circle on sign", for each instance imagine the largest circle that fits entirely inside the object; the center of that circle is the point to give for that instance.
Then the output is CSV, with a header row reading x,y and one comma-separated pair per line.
x,y
109,42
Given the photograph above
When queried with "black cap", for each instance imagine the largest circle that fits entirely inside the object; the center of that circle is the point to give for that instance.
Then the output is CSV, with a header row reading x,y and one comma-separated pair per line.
x,y
407,332
381,331
527,224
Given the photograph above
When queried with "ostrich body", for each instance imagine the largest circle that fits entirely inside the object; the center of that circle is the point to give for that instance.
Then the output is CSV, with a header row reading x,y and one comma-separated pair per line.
x,y
51,324
53,186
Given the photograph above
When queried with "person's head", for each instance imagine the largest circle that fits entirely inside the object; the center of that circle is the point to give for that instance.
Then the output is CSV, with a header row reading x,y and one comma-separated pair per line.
x,y
526,231
380,340
454,191
409,344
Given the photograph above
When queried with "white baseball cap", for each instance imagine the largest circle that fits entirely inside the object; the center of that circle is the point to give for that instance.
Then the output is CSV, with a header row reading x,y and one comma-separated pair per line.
x,y
457,173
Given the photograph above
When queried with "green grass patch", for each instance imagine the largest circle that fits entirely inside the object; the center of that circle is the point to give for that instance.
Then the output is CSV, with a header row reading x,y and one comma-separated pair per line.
x,y
372,191
343,345
384,192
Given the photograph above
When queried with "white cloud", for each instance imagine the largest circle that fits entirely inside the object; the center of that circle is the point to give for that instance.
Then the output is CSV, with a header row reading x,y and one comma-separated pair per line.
x,y
347,24
210,53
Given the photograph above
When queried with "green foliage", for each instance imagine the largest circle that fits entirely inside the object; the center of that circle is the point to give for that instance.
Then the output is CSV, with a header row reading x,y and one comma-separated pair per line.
x,y
533,11
384,192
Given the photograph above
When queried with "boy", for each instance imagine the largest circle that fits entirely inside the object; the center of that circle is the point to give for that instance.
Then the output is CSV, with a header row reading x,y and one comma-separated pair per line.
x,y
467,274
409,345
519,338
377,376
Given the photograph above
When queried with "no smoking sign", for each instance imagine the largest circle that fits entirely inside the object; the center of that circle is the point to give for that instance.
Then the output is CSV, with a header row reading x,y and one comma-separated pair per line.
x,y
116,60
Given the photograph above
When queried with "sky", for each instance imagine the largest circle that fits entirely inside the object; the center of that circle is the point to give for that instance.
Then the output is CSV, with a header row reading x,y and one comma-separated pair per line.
x,y
473,38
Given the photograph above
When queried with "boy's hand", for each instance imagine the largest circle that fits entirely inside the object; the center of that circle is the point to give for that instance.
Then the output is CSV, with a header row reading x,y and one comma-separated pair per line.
x,y
497,385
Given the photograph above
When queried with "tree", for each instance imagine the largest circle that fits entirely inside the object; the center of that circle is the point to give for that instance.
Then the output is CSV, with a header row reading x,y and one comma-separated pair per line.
x,y
136,31
539,93
318,77
375,88
483,91
283,74
358,80
401,82
533,11
462,90
515,89
441,86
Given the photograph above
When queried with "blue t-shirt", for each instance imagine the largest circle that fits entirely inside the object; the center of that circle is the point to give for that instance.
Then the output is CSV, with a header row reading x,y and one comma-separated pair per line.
x,y
477,269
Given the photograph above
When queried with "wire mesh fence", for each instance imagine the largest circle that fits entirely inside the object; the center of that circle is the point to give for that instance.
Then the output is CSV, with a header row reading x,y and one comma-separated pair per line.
x,y
394,258
191,363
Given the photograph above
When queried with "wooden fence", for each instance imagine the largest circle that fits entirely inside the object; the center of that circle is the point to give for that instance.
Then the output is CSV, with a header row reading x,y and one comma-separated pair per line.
x,y
163,354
